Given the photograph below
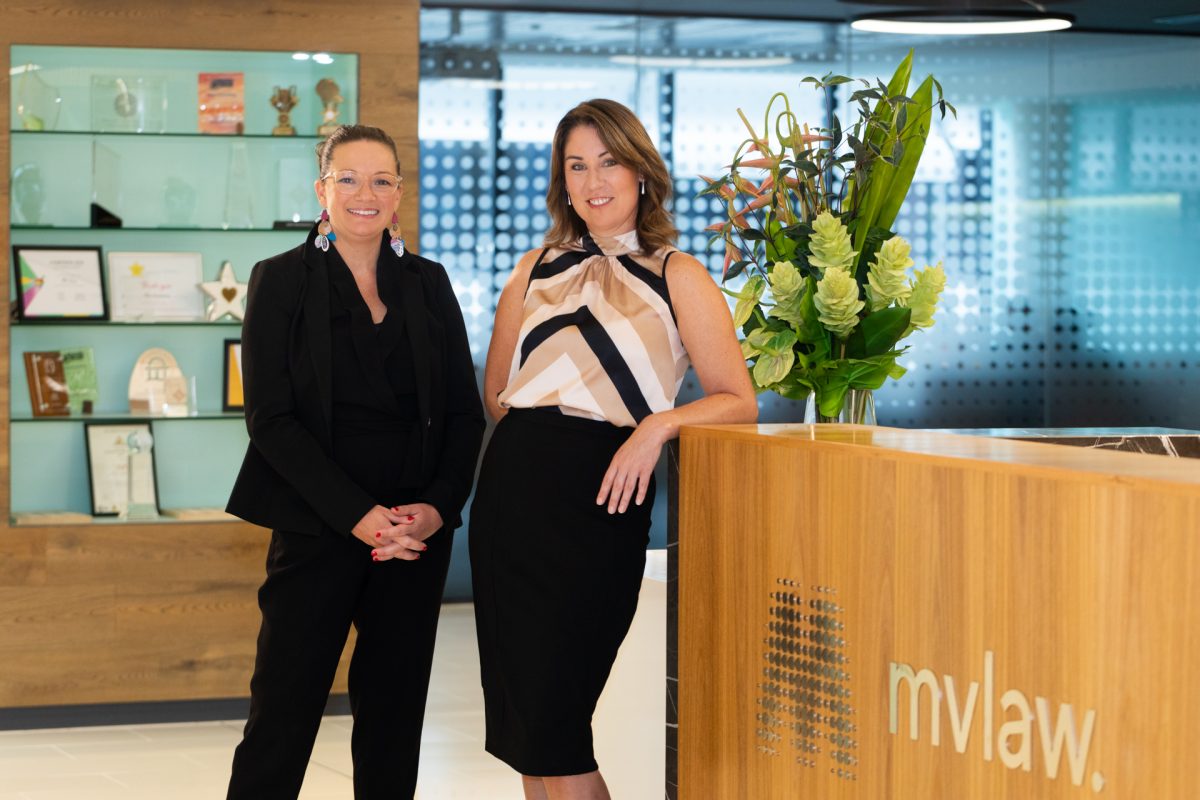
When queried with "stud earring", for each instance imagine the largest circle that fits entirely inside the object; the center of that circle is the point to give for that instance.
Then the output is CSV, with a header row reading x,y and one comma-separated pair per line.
x,y
325,233
397,242
643,182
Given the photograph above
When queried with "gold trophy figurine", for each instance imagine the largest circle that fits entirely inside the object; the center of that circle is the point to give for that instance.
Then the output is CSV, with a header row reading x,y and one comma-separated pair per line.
x,y
283,101
331,97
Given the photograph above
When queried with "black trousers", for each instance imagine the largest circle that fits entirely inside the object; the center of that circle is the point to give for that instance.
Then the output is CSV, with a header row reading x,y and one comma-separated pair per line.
x,y
316,588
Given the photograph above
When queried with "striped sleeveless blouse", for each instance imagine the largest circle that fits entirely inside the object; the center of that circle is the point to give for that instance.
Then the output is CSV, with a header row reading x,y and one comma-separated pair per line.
x,y
598,337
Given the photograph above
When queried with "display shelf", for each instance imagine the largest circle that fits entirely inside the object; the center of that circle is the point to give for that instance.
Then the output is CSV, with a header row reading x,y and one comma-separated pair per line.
x,y
157,229
17,133
16,522
156,182
121,417
148,155
155,91
107,323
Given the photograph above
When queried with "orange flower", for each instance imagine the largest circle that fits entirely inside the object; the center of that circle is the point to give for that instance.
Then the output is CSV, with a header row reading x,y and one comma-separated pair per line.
x,y
731,254
757,203
745,186
760,163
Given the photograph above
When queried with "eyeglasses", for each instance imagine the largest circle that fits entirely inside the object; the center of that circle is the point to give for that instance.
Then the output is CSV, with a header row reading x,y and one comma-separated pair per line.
x,y
347,181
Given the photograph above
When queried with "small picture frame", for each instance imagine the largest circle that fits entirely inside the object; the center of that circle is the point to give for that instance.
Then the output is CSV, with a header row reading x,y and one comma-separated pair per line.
x,y
231,396
110,469
59,283
156,287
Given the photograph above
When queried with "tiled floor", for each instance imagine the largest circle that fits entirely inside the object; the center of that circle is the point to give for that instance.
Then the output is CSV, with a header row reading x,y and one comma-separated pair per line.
x,y
190,761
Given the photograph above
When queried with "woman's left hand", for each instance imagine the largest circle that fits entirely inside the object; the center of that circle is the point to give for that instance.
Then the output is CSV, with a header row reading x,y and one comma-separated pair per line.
x,y
418,521
633,465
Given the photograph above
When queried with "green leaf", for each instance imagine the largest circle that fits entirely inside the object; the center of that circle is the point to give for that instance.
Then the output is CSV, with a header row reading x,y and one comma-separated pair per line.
x,y
878,333
880,124
713,187
913,140
776,359
748,299
831,396
874,240
809,328
735,269
793,386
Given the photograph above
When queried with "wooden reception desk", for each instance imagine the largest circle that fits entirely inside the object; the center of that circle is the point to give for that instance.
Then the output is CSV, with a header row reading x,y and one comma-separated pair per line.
x,y
880,613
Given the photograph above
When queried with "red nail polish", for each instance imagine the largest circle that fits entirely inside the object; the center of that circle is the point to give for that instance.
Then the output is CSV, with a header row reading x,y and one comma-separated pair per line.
x,y
378,534
374,554
410,517
424,547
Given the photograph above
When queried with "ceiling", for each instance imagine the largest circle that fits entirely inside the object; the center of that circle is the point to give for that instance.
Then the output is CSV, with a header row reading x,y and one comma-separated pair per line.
x,y
1179,17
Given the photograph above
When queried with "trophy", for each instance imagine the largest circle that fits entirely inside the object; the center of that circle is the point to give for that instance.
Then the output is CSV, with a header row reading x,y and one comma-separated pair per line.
x,y
331,97
283,101
140,503
38,103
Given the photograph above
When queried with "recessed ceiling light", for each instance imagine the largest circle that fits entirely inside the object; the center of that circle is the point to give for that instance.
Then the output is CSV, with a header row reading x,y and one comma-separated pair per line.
x,y
965,23
323,58
301,56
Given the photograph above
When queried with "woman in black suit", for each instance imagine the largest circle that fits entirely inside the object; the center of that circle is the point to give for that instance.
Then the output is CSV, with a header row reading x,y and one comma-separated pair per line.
x,y
365,424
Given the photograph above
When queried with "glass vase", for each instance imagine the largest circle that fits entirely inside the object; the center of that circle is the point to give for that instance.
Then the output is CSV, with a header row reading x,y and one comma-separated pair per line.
x,y
858,408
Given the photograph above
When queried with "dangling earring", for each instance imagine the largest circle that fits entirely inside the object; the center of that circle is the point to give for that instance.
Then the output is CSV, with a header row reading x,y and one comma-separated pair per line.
x,y
568,198
397,242
325,233
643,182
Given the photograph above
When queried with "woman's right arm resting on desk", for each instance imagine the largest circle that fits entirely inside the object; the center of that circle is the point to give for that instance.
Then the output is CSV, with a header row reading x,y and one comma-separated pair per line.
x,y
287,445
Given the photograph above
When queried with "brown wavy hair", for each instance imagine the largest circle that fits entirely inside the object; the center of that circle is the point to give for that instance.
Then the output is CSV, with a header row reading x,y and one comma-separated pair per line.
x,y
627,142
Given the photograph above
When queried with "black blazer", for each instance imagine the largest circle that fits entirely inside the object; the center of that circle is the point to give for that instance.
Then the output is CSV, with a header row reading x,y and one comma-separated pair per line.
x,y
288,481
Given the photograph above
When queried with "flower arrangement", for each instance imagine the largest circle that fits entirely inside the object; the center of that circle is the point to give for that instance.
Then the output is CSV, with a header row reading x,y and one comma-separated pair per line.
x,y
829,294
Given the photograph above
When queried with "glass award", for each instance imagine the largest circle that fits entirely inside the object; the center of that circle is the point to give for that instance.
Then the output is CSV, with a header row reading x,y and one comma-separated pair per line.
x,y
142,503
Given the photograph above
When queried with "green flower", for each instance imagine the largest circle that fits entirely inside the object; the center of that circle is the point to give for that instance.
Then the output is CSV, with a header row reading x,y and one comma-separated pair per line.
x,y
927,286
747,299
888,278
775,354
787,287
837,301
830,243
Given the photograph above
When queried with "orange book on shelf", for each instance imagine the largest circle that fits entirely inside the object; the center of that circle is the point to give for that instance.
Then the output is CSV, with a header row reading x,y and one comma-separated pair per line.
x,y
221,102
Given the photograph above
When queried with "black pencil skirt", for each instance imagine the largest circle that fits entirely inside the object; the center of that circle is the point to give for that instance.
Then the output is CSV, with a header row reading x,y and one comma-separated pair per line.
x,y
556,581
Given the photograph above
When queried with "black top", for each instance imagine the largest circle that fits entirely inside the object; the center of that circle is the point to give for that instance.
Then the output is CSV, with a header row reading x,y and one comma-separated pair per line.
x,y
375,416
291,478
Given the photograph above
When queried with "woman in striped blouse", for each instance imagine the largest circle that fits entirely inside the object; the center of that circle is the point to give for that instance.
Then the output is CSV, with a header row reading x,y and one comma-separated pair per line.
x,y
593,335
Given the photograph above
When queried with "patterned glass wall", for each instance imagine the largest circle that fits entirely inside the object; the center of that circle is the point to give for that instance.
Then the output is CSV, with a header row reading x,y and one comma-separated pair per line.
x,y
1063,201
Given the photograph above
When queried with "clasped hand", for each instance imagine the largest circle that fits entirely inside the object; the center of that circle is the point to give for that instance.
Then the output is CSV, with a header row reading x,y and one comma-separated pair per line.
x,y
398,532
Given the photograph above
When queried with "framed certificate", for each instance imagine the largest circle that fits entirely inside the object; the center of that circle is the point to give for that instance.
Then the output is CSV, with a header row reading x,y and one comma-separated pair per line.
x,y
156,287
120,476
59,283
232,399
